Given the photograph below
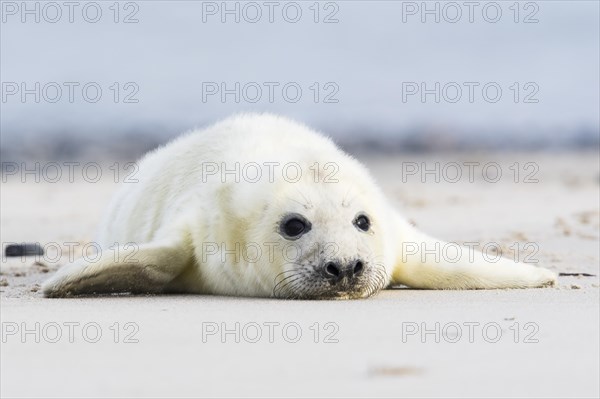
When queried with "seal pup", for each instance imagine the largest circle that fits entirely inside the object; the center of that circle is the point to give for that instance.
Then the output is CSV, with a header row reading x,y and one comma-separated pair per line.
x,y
258,205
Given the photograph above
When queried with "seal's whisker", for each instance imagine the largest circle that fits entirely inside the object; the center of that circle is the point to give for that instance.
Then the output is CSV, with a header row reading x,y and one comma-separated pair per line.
x,y
289,285
298,202
344,203
309,203
284,279
280,289
285,275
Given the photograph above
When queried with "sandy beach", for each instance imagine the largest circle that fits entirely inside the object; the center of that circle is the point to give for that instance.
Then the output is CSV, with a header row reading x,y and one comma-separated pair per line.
x,y
542,207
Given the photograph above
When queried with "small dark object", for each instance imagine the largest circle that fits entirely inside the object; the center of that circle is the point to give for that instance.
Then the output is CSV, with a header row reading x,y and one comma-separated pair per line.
x,y
24,250
577,274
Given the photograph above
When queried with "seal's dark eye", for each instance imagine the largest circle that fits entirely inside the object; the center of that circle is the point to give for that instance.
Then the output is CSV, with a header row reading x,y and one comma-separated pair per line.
x,y
294,226
362,222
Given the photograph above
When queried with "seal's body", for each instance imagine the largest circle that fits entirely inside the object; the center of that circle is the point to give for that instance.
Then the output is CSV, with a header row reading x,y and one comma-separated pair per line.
x,y
258,205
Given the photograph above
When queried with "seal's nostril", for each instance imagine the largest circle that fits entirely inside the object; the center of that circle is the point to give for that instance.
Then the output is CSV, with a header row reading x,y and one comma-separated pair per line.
x,y
332,269
358,268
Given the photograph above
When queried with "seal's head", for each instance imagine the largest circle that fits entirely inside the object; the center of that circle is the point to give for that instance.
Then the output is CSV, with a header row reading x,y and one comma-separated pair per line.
x,y
328,240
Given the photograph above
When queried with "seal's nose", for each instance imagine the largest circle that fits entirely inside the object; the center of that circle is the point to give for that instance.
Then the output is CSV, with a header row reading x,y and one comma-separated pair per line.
x,y
335,271
357,267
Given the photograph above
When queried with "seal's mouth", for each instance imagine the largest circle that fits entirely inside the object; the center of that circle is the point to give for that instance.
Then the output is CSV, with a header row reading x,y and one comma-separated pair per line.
x,y
348,295
334,295
308,287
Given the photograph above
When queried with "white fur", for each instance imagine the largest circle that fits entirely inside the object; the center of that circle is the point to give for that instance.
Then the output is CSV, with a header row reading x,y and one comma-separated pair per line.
x,y
183,220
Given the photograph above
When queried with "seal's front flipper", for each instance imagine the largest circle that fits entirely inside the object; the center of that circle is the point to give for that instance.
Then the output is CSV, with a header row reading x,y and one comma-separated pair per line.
x,y
146,268
424,262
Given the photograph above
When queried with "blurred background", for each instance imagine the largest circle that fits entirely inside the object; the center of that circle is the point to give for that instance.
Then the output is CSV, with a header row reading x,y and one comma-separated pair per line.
x,y
105,79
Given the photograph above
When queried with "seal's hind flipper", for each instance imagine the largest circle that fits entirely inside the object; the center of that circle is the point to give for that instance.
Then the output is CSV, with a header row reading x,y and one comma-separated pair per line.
x,y
146,268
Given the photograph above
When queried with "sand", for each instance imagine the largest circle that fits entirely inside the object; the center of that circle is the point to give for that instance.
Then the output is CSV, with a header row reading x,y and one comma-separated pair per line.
x,y
402,342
